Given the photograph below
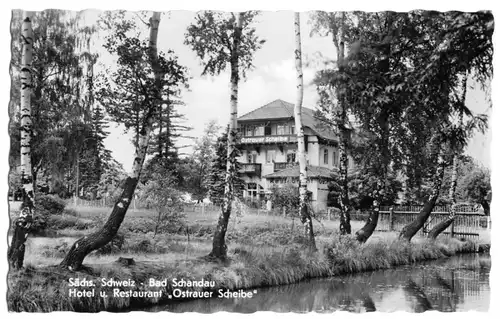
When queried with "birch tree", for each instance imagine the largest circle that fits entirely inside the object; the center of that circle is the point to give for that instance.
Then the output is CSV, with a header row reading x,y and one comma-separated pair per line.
x,y
305,215
221,40
23,222
335,24
85,245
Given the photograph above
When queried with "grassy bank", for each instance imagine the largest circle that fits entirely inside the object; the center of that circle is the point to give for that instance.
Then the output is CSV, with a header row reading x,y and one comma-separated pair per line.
x,y
264,251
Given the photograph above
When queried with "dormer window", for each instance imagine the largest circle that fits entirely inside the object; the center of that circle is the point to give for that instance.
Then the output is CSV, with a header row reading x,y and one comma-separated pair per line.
x,y
325,156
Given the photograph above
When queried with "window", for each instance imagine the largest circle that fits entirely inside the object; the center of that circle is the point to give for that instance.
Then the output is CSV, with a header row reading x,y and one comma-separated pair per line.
x,y
252,157
259,131
281,129
325,156
292,129
249,130
290,157
270,156
252,190
267,130
335,158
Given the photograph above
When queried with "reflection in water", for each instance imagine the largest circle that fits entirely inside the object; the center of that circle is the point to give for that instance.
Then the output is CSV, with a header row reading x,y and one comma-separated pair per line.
x,y
456,284
417,296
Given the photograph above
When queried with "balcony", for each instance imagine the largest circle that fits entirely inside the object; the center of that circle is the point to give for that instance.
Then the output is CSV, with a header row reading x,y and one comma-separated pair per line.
x,y
278,166
250,169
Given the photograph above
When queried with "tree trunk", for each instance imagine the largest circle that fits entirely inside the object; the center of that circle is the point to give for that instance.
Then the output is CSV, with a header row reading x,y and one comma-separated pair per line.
x,y
85,245
486,207
412,228
441,227
219,247
345,218
305,215
23,223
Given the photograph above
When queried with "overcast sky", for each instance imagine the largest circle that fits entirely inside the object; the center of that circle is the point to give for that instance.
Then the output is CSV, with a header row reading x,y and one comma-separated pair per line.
x,y
273,78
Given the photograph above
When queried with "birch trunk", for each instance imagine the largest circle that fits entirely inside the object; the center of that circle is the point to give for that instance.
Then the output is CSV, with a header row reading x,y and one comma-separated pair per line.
x,y
85,245
305,214
23,223
345,218
441,227
412,228
219,247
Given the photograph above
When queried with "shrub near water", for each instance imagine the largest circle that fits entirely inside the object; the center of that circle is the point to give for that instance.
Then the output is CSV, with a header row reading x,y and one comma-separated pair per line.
x,y
346,255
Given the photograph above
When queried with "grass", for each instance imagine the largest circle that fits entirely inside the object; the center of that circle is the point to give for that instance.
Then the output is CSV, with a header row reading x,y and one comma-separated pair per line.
x,y
264,251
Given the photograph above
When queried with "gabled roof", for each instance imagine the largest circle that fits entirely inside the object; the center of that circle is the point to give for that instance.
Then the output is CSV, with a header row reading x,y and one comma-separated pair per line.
x,y
312,172
280,109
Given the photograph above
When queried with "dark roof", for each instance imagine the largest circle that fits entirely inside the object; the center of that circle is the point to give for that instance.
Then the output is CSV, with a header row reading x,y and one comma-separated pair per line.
x,y
280,109
312,172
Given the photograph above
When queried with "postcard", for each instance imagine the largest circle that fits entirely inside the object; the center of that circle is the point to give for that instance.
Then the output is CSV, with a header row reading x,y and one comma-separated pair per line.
x,y
206,161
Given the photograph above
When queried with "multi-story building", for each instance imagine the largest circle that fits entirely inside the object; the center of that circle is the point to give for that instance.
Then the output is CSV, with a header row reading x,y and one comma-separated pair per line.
x,y
269,151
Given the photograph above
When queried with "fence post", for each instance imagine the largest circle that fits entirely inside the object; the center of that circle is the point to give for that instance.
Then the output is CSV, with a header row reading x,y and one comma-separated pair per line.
x,y
452,229
391,218
329,213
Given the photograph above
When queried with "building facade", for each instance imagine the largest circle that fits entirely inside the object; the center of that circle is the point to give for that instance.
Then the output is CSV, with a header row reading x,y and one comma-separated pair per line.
x,y
269,151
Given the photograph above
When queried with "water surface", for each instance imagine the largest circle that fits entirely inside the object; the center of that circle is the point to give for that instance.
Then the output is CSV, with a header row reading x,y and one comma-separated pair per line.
x,y
460,283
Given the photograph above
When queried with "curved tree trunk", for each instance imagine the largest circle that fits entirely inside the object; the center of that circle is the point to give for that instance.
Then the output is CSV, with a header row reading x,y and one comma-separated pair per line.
x,y
441,227
23,223
219,247
85,245
305,214
412,228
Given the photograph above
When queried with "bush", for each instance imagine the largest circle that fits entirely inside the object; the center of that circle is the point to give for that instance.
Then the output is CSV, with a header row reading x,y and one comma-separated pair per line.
x,y
53,205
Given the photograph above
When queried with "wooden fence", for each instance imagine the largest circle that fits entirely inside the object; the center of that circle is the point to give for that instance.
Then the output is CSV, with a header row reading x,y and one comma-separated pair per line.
x,y
468,222
136,204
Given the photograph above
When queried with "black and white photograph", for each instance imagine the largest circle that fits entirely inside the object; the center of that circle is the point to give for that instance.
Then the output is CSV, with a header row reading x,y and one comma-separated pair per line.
x,y
205,161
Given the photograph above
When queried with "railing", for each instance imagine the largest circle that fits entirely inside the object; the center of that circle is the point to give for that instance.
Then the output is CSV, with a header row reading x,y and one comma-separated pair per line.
x,y
278,166
250,168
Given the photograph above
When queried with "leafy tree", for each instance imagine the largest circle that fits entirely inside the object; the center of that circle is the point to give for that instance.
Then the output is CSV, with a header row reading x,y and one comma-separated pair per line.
x,y
286,197
476,187
331,86
110,180
161,193
401,106
216,181
60,57
223,40
128,57
196,168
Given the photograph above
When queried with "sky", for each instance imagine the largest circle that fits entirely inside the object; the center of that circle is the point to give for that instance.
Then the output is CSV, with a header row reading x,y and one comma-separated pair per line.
x,y
272,78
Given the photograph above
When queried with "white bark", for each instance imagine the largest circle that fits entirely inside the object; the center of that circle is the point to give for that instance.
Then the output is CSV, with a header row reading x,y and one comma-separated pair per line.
x,y
301,151
305,215
26,121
